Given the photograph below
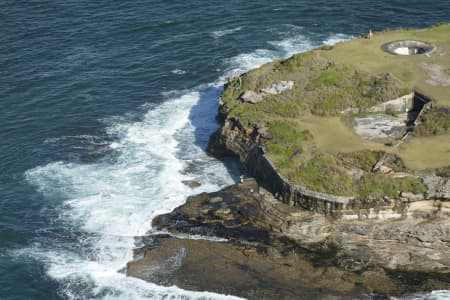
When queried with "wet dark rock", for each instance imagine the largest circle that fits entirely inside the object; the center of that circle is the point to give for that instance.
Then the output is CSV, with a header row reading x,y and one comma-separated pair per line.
x,y
191,183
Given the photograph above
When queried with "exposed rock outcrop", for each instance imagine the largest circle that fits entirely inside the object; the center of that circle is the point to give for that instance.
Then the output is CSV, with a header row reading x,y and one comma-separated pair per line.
x,y
273,89
397,105
437,187
381,127
278,87
273,250
251,97
191,183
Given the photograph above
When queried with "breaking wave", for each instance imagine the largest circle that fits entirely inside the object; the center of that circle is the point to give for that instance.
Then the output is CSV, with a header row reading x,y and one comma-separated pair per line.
x,y
220,33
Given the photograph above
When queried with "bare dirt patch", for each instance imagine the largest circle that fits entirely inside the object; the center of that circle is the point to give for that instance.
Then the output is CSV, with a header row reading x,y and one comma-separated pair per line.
x,y
438,76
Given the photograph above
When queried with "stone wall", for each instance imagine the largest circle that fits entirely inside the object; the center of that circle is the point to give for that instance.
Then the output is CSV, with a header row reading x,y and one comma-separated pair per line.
x,y
230,139
400,104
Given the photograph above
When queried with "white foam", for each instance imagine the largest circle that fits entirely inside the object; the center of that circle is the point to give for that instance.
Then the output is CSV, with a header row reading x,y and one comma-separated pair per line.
x,y
337,38
248,61
292,45
178,72
220,33
201,237
283,49
91,279
433,295
115,201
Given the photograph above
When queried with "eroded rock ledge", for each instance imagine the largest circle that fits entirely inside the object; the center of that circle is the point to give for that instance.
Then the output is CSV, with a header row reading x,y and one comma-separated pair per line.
x,y
273,250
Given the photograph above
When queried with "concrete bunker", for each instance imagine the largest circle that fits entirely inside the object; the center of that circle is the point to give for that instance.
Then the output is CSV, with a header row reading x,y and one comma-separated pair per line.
x,y
390,121
408,47
418,105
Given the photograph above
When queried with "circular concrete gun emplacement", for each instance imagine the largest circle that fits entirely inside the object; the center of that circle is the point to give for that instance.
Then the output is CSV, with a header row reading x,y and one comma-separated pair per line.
x,y
407,47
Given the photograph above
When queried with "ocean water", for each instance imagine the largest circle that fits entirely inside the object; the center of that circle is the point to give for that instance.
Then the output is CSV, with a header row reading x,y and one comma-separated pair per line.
x,y
108,105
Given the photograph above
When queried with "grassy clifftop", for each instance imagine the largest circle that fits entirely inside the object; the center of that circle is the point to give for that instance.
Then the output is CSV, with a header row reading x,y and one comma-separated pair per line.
x,y
312,140
428,74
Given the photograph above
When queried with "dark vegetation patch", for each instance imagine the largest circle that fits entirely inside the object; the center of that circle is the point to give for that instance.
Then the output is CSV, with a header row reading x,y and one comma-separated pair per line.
x,y
365,159
326,47
443,172
377,186
434,122
279,108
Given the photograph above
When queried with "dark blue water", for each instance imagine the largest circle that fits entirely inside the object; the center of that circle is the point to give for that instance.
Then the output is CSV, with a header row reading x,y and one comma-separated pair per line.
x,y
108,105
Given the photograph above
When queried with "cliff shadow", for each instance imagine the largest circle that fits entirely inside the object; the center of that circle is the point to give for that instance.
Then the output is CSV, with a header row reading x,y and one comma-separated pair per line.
x,y
203,119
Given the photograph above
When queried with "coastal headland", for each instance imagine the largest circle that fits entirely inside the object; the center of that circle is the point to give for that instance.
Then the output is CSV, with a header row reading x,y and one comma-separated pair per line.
x,y
349,148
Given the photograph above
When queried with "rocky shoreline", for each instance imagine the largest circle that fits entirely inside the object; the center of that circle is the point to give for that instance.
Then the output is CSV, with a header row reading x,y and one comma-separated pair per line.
x,y
272,250
265,238
349,224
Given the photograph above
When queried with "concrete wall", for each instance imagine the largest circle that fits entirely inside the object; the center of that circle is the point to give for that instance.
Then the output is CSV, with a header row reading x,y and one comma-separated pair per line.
x,y
261,168
400,104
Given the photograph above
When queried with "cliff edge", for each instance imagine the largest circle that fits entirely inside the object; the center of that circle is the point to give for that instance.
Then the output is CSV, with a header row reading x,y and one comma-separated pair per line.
x,y
329,131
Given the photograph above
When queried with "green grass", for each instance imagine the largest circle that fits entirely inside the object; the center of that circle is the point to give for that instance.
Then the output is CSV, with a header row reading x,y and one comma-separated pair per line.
x,y
286,143
327,106
377,186
321,88
444,172
326,47
332,135
326,78
279,108
331,103
323,173
364,159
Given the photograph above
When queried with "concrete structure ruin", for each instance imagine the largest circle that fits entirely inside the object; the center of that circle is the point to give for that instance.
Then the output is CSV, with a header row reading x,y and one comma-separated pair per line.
x,y
407,47
391,121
